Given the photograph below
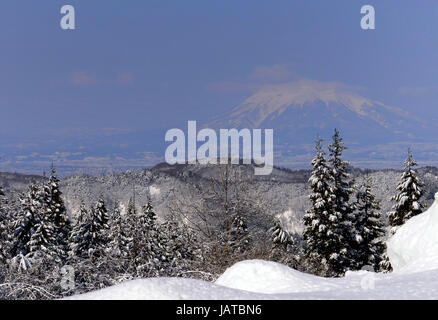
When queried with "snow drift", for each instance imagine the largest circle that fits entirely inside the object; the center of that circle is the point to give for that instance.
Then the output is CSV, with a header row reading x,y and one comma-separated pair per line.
x,y
414,247
259,280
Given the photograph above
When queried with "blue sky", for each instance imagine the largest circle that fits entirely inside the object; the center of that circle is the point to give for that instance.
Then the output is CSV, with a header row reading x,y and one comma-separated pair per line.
x,y
155,64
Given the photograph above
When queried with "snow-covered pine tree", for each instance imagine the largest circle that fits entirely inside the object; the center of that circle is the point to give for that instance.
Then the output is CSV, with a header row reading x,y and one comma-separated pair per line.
x,y
79,229
182,247
100,214
83,214
89,237
34,236
131,210
119,238
5,224
279,236
385,265
42,244
148,217
343,206
149,244
55,212
239,240
369,246
409,194
325,247
26,219
284,248
3,200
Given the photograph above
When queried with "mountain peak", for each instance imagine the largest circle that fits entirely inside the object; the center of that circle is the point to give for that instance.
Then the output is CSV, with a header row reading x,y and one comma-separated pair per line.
x,y
272,101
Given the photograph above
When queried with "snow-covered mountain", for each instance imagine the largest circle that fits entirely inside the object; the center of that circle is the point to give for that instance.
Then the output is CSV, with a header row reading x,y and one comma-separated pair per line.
x,y
312,101
298,111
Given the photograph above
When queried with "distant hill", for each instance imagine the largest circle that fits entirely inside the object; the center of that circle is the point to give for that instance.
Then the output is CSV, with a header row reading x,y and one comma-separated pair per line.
x,y
16,181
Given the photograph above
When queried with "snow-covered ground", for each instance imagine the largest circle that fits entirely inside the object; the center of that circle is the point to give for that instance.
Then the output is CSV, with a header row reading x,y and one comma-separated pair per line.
x,y
413,252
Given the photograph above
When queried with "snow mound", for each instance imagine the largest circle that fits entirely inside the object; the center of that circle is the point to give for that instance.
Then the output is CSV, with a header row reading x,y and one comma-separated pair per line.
x,y
270,277
166,289
414,247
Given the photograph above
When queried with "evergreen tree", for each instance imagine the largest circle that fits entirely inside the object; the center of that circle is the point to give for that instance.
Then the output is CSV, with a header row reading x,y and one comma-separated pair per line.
x,y
370,229
26,219
120,240
325,248
101,216
343,206
409,195
56,211
131,210
3,201
284,248
34,231
279,236
80,228
182,247
239,240
89,238
148,217
83,214
149,245
42,243
5,224
385,264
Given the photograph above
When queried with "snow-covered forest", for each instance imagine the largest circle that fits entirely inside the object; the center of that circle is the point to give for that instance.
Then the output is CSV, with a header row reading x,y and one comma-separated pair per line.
x,y
63,238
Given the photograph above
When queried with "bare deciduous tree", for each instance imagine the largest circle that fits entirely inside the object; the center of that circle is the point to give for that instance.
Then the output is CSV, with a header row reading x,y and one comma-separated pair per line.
x,y
213,207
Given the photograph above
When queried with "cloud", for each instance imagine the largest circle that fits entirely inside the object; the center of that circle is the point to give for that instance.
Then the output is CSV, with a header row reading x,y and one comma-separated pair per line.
x,y
258,77
231,87
274,74
82,78
265,77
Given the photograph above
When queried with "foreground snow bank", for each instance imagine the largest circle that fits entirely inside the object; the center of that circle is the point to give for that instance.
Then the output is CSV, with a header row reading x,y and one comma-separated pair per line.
x,y
414,247
256,279
166,289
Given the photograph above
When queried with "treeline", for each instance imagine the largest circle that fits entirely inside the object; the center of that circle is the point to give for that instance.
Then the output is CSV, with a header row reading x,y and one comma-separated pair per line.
x,y
45,254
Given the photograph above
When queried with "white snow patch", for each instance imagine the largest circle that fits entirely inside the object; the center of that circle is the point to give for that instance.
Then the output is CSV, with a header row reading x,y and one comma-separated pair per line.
x,y
289,223
154,191
414,247
123,209
165,289
257,279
